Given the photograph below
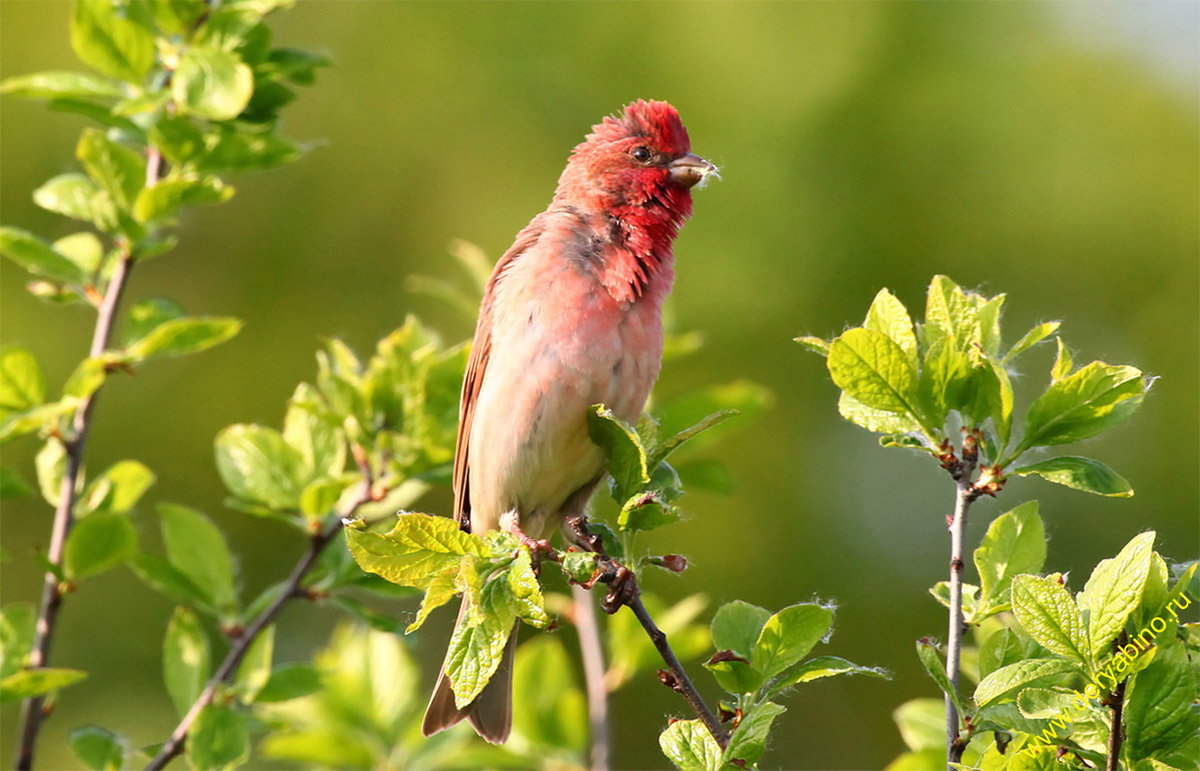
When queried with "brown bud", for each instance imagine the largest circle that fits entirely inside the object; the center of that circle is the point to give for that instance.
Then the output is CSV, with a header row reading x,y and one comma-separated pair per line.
x,y
668,679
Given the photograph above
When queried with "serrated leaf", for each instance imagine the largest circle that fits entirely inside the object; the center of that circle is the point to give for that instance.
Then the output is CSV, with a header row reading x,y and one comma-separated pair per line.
x,y
1086,474
97,748
949,315
219,739
1114,590
1031,338
1049,615
689,745
527,593
1009,680
67,194
1083,404
875,371
34,682
888,316
879,421
197,549
257,465
185,659
1015,543
415,551
180,336
97,543
788,636
749,740
625,458
212,83
1045,703
117,40
38,257
476,650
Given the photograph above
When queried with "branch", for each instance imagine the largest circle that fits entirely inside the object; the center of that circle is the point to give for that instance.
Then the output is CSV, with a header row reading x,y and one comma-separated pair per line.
x,y
965,493
292,589
1116,735
592,652
33,710
624,590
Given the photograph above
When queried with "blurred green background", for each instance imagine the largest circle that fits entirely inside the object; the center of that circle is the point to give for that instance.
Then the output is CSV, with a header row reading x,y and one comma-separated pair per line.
x,y
1049,151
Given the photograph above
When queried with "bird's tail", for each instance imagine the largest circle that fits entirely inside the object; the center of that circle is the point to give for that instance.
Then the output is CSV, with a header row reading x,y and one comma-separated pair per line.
x,y
490,714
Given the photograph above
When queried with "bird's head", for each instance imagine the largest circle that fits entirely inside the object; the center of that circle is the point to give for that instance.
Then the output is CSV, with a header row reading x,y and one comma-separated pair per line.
x,y
639,159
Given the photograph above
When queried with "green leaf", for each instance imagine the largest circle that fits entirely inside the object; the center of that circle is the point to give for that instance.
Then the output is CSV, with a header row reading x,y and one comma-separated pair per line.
x,y
38,257
525,590
874,370
67,194
290,681
737,625
179,16
476,649
97,748
1063,361
116,40
118,489
219,739
817,345
690,407
580,566
197,549
689,745
1049,615
51,464
45,416
735,675
185,659
625,458
749,739
121,172
945,381
22,384
824,666
177,337
147,315
949,315
1015,543
12,485
17,623
553,715
164,199
999,650
34,682
878,421
1007,681
166,579
86,379
321,443
415,551
97,543
255,669
257,464
922,724
1114,590
675,442
1031,338
84,249
1083,404
788,636
1078,473
296,66
212,83
927,652
887,315
56,85
1158,710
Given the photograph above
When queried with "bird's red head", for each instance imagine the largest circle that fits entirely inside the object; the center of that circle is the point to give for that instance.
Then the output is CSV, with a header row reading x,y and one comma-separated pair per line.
x,y
640,159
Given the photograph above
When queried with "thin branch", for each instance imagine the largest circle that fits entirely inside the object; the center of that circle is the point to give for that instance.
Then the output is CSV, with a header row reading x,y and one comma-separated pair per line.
x,y
624,590
965,493
33,711
593,671
291,589
1116,735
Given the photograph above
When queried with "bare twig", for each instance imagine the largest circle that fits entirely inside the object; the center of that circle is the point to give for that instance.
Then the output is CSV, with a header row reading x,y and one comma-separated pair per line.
x,y
33,710
1116,702
291,589
593,671
624,590
965,493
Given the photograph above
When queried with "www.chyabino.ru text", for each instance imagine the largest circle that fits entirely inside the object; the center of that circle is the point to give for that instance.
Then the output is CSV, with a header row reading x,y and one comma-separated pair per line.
x,y
1121,662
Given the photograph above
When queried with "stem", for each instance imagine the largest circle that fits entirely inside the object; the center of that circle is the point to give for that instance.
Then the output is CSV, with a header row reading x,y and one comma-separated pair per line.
x,y
33,711
1117,734
593,670
964,495
291,589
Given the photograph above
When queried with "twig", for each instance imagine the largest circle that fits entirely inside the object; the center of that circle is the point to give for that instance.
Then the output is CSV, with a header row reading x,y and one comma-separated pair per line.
x,y
624,590
593,671
1116,702
33,710
965,493
292,589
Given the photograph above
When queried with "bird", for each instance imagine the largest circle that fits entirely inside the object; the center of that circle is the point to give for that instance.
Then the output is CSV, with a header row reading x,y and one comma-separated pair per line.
x,y
571,317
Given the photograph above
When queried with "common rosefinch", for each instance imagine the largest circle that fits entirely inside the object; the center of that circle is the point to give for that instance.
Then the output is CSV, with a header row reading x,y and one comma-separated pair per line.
x,y
571,317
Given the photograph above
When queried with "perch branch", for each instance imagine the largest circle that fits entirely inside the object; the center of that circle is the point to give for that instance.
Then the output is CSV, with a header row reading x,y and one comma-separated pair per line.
x,y
1116,735
33,711
965,494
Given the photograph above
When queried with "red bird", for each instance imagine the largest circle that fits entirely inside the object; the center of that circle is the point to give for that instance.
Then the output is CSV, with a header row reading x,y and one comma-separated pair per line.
x,y
571,317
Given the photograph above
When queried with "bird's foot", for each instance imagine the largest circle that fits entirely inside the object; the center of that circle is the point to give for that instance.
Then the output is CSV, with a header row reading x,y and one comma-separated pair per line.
x,y
622,589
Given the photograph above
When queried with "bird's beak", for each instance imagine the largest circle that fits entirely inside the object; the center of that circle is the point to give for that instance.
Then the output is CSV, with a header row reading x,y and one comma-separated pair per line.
x,y
690,170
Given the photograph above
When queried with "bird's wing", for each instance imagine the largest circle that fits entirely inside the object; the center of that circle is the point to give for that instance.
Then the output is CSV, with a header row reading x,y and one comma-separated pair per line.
x,y
481,350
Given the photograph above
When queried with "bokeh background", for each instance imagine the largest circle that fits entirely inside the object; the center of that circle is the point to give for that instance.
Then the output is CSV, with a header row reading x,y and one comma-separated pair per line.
x,y
1049,151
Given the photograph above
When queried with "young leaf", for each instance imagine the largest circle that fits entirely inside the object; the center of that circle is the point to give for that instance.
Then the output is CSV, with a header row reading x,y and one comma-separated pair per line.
x,y
676,441
164,199
22,384
824,666
38,257
97,748
17,622
1048,613
928,654
999,650
922,724
817,345
1031,338
625,458
86,379
889,316
97,543
1083,404
51,465
166,579
1063,361
290,681
734,673
37,418
1007,681
788,636
60,85
257,465
197,549
219,739
415,551
185,659
35,682
476,649
1015,543
689,745
1158,711
749,739
878,421
255,669
124,483
737,625
1085,474
184,335
121,172
948,314
1114,590
874,370
149,314
67,194
321,444
115,40
212,83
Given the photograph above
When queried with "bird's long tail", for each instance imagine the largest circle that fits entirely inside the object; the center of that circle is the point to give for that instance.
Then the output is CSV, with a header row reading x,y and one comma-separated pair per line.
x,y
490,714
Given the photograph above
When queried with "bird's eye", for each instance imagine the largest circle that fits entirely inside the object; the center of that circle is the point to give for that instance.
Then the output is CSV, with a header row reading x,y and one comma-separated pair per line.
x,y
641,154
